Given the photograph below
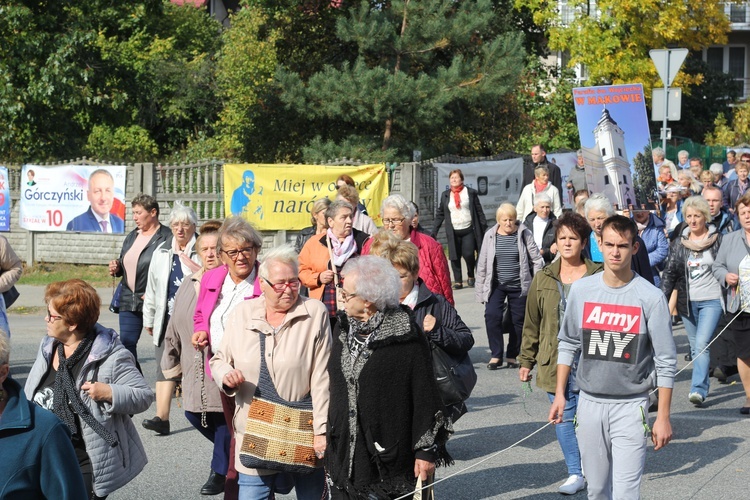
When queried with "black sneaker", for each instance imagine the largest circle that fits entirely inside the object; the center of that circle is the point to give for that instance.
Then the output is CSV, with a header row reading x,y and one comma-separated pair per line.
x,y
471,282
157,425
458,285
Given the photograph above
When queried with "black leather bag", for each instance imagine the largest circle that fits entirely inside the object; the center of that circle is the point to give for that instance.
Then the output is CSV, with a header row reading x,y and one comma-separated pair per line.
x,y
114,305
455,378
10,296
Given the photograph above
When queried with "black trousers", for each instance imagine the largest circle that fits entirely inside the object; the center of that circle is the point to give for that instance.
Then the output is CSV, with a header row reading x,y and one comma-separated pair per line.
x,y
466,247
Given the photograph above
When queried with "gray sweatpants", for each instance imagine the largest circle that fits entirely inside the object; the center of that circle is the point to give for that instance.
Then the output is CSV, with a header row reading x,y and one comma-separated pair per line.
x,y
612,436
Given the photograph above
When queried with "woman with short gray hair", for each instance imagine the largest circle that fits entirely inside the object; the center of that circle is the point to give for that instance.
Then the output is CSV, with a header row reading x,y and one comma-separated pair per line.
x,y
386,419
540,223
295,333
171,262
397,214
221,290
322,258
699,299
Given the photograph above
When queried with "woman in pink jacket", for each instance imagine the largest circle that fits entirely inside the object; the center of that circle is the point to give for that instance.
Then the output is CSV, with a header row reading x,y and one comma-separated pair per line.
x,y
222,289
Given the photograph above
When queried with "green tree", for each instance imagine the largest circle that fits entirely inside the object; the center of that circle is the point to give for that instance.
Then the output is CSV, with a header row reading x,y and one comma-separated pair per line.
x,y
418,64
704,101
612,38
66,67
730,134
644,178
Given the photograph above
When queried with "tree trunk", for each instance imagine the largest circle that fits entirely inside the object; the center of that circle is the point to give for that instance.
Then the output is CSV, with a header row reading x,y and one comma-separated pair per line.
x,y
387,134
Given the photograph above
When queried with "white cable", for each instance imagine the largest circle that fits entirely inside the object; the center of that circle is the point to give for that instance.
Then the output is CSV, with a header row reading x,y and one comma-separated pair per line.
x,y
489,457
705,348
476,463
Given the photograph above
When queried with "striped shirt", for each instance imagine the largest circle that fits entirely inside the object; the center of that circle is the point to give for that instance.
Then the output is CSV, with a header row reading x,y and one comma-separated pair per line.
x,y
507,260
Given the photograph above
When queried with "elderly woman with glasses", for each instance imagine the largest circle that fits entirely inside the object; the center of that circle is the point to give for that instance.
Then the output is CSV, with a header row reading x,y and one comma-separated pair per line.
x,y
386,420
133,265
200,396
278,344
222,289
38,458
322,257
397,214
171,262
85,376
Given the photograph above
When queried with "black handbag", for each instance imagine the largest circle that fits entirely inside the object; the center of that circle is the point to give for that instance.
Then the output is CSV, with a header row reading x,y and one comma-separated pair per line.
x,y
114,305
455,378
10,296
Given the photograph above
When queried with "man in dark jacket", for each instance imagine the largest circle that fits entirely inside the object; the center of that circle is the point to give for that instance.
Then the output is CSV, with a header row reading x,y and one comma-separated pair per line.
x,y
539,157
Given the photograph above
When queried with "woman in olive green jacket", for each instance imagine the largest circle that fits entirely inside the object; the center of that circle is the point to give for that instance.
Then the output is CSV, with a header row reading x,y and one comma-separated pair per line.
x,y
545,306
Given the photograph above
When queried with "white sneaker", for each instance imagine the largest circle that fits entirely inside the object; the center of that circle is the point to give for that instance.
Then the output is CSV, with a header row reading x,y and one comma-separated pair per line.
x,y
695,398
573,485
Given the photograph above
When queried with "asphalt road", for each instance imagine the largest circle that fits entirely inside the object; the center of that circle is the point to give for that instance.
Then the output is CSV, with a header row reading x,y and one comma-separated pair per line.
x,y
709,457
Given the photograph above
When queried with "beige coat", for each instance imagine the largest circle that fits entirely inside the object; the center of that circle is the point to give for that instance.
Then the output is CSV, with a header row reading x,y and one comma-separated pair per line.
x,y
297,359
179,355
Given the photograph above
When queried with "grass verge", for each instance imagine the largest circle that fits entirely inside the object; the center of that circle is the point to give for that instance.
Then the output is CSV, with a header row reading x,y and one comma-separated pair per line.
x,y
44,273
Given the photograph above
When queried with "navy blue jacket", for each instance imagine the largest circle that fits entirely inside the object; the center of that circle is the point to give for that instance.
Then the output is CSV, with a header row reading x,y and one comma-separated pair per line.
x,y
87,223
38,457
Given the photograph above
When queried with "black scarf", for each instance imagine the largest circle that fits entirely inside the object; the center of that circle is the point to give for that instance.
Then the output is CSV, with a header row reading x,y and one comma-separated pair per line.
x,y
361,333
67,402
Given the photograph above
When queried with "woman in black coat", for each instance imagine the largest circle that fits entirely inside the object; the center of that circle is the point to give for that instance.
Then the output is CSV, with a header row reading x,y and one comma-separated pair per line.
x,y
133,264
438,319
464,227
386,423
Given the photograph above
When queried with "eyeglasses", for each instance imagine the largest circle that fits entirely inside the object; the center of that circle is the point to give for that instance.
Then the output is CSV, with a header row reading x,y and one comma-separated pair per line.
x,y
181,225
345,296
51,318
394,222
246,252
280,287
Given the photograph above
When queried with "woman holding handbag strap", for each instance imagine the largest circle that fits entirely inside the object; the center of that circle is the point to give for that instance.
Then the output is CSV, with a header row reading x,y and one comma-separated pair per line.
x,y
294,334
438,318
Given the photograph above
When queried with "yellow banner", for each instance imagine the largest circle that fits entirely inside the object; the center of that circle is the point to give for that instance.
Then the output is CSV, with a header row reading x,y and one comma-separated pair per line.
x,y
275,197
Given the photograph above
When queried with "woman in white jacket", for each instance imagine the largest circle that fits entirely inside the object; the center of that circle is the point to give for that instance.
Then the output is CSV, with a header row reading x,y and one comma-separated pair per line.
x,y
540,184
171,262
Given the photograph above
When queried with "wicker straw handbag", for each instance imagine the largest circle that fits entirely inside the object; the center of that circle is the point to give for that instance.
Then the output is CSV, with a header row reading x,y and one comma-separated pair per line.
x,y
278,433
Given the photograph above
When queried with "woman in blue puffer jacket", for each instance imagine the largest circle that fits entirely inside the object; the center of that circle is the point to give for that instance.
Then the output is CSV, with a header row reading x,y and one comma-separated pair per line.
x,y
651,231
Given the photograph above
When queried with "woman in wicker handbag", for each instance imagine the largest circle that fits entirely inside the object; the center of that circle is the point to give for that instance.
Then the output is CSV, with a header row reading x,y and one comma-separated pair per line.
x,y
274,354
386,423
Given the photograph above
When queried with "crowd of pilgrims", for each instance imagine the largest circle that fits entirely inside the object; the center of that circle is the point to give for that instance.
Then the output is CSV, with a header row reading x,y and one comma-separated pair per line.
x,y
346,317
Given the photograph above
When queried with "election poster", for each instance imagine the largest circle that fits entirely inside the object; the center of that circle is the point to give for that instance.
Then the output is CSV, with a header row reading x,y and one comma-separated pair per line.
x,y
275,197
4,200
81,198
613,127
495,181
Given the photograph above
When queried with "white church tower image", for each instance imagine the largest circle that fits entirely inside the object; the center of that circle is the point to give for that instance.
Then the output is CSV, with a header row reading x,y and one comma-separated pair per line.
x,y
607,167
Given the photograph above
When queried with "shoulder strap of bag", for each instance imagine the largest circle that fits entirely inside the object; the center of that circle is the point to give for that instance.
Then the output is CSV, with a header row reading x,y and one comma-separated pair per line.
x,y
563,298
333,266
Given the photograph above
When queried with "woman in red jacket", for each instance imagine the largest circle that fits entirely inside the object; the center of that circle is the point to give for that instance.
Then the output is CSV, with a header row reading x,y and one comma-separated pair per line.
x,y
397,214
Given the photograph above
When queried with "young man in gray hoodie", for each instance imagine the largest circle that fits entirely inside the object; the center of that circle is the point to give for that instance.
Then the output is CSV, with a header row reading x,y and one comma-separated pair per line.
x,y
620,325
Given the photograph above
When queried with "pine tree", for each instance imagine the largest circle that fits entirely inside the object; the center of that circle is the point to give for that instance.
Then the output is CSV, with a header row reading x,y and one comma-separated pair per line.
x,y
418,64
